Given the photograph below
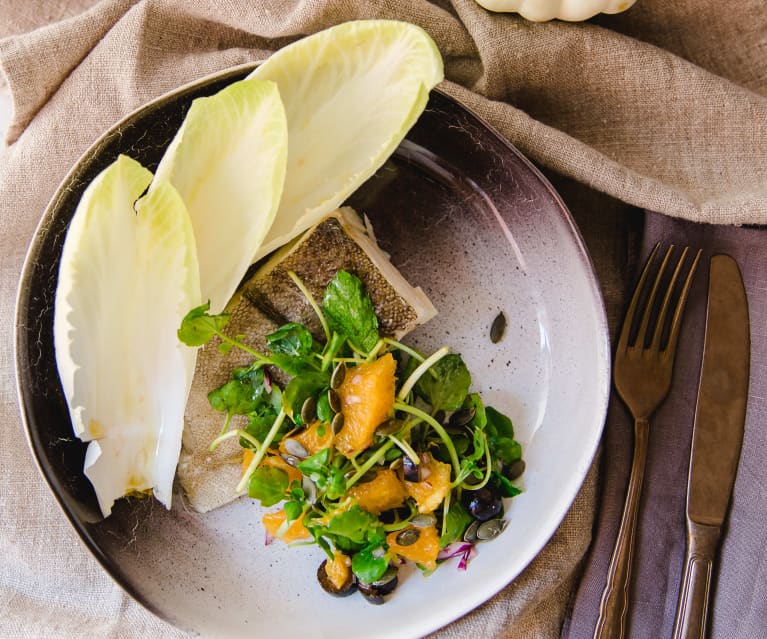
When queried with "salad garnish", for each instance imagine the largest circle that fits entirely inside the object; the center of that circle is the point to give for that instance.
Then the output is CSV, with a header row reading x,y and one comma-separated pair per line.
x,y
375,452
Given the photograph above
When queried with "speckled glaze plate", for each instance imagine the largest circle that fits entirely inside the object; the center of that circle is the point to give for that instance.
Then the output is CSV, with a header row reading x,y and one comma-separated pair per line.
x,y
466,217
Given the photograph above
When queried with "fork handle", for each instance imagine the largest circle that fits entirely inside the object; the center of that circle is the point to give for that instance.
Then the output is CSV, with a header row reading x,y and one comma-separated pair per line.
x,y
613,608
695,593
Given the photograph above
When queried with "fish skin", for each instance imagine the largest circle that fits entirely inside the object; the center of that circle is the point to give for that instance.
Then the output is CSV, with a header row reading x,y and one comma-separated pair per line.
x,y
338,242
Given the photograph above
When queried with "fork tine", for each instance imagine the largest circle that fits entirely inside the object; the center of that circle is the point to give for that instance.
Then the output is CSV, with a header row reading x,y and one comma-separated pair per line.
x,y
642,333
658,333
628,322
676,322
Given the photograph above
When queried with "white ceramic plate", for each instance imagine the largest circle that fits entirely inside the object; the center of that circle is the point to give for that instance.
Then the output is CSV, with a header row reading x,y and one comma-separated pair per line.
x,y
468,219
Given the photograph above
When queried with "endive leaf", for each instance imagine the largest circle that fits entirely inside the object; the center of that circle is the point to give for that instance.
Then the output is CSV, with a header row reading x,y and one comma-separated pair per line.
x,y
351,93
228,163
128,275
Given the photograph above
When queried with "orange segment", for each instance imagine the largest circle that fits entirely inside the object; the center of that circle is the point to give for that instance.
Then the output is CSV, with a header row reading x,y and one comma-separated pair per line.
x,y
423,552
311,439
247,457
431,491
273,522
367,398
384,492
338,570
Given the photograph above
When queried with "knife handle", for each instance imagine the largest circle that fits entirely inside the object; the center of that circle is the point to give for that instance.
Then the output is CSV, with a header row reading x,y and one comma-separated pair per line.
x,y
695,593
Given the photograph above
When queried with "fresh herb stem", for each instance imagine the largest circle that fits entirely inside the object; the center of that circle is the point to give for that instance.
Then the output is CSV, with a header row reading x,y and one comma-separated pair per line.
x,y
488,470
262,359
312,302
397,525
404,348
225,427
420,370
372,461
234,433
331,348
407,408
261,451
406,448
222,437
402,523
250,439
373,354
362,354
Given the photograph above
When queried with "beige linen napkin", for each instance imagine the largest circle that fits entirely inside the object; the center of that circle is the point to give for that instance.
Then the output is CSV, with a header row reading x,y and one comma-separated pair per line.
x,y
662,107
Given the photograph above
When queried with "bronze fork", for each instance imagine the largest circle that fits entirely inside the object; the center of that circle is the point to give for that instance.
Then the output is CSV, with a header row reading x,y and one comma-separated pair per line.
x,y
642,375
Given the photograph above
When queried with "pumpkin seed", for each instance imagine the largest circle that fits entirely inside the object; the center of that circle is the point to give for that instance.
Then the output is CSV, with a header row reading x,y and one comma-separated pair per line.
x,y
295,448
309,410
470,535
490,529
498,328
423,521
310,489
408,537
334,399
338,376
291,460
338,423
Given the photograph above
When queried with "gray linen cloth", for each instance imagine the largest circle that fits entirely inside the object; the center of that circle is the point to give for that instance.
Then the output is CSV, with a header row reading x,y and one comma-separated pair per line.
x,y
662,107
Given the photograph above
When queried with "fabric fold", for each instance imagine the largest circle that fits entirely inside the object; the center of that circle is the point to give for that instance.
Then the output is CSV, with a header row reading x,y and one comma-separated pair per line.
x,y
661,108
35,64
624,116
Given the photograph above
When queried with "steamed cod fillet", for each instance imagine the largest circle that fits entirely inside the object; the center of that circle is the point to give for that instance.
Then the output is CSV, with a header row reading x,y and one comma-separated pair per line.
x,y
267,300
339,242
209,477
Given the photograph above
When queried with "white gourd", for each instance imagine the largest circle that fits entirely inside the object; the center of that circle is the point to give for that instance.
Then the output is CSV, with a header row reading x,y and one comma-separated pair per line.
x,y
569,10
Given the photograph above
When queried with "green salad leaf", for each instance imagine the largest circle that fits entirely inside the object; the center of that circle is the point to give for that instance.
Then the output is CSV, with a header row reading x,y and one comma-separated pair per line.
x,y
501,437
198,326
456,520
299,389
370,563
268,484
328,477
350,311
447,383
291,339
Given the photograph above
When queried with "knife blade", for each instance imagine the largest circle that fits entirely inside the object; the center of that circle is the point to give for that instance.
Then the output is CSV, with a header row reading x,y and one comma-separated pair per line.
x,y
717,439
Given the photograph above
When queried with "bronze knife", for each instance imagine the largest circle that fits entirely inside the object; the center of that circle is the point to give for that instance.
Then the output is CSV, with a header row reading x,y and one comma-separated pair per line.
x,y
717,438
